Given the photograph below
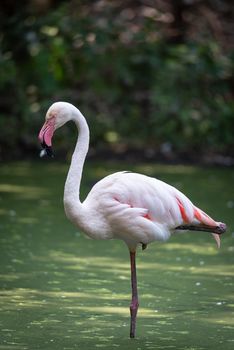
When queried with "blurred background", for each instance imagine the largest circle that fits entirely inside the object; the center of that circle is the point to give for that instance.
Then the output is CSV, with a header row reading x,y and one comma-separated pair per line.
x,y
152,76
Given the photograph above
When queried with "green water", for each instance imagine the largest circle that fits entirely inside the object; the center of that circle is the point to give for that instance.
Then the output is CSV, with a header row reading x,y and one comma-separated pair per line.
x,y
60,290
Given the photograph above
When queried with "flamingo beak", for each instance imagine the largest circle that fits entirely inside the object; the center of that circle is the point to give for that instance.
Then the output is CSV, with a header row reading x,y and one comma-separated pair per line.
x,y
45,137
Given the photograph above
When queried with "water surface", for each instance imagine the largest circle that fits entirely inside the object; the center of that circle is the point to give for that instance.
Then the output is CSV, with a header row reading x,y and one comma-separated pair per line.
x,y
61,290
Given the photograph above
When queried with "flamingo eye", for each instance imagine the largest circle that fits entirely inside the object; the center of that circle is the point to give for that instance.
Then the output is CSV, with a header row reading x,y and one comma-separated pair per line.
x,y
51,115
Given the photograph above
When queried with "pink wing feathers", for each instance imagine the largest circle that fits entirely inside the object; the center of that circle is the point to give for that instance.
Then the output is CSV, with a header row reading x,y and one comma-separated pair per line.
x,y
200,221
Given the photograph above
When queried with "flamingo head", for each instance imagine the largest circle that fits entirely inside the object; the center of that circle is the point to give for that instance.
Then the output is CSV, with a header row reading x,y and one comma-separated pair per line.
x,y
57,115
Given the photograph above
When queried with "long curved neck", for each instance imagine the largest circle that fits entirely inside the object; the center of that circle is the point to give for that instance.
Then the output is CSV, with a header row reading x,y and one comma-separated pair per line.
x,y
72,186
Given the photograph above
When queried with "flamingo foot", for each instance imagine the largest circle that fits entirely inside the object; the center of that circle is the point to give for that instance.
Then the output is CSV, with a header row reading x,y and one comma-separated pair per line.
x,y
217,239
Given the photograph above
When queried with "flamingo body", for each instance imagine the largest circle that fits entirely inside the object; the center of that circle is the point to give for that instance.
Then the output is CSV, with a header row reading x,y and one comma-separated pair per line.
x,y
133,207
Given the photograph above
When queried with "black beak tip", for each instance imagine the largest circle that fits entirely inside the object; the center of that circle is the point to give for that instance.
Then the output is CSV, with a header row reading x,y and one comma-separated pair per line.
x,y
47,150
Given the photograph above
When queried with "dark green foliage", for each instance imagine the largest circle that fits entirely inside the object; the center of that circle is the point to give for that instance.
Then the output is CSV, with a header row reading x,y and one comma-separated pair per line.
x,y
135,86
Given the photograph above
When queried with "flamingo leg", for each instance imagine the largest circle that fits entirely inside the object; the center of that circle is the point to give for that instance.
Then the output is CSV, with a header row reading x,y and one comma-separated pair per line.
x,y
134,303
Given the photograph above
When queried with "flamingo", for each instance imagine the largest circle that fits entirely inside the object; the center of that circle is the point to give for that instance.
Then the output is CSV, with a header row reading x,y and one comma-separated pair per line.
x,y
135,208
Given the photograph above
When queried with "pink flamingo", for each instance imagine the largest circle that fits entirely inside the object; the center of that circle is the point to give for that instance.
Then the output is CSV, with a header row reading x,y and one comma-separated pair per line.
x,y
135,208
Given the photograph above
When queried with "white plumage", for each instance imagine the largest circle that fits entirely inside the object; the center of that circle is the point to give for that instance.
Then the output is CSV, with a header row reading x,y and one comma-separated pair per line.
x,y
135,208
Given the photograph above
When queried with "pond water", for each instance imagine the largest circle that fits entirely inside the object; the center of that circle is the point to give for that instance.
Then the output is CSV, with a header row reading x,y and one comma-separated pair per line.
x,y
61,290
